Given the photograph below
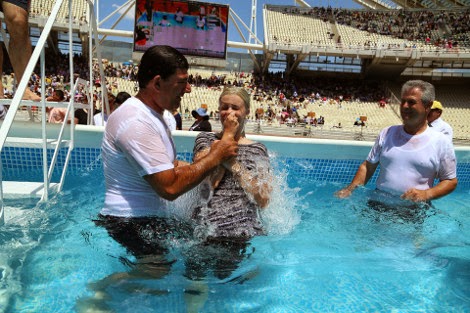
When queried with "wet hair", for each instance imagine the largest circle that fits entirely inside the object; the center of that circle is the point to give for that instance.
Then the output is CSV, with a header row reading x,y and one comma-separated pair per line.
x,y
121,97
238,91
160,60
429,93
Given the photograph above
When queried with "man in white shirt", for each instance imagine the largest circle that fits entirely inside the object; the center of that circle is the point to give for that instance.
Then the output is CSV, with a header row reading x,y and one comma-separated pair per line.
x,y
411,155
437,123
139,157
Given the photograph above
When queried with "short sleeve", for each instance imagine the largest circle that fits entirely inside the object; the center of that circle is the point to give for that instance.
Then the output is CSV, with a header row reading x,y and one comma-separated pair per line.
x,y
447,161
264,165
203,141
143,146
374,154
255,159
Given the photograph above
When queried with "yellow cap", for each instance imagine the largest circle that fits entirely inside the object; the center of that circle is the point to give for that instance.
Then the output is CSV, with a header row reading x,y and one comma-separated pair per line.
x,y
436,105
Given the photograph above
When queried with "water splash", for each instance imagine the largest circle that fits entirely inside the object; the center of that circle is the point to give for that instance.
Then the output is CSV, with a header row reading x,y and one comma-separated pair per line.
x,y
281,215
22,232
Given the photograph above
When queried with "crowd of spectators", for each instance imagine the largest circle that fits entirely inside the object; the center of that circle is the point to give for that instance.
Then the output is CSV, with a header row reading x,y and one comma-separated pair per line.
x,y
441,28
57,74
282,99
445,29
279,98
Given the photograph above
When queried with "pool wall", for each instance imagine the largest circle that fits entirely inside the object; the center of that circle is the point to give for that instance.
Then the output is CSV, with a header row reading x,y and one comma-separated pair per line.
x,y
318,159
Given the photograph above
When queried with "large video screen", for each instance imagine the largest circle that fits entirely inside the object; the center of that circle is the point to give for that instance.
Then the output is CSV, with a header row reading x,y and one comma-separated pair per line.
x,y
194,28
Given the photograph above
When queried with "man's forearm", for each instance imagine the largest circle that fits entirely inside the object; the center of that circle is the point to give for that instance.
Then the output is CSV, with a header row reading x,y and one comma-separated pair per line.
x,y
172,183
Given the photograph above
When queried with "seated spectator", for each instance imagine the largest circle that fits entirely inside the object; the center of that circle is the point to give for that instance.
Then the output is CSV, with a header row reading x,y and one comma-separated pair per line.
x,y
56,115
57,96
358,122
178,119
202,121
101,118
290,121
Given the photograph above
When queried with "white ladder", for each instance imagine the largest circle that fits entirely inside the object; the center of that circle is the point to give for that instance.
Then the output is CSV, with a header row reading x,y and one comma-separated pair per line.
x,y
42,189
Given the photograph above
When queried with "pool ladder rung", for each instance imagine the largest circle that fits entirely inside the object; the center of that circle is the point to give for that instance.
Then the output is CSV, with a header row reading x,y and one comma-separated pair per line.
x,y
25,189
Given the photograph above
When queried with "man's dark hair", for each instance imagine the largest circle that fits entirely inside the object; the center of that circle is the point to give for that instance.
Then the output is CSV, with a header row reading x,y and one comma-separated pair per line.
x,y
60,94
121,97
160,60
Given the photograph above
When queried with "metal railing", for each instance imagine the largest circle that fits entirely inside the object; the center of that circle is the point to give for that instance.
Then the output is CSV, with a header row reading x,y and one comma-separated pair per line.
x,y
38,54
15,103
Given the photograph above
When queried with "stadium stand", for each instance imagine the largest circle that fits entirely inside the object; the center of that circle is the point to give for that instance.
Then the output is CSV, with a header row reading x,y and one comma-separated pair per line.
x,y
366,28
431,32
340,103
293,28
43,8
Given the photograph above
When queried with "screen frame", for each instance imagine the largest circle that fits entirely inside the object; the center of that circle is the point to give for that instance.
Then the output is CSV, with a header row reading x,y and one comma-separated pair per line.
x,y
216,15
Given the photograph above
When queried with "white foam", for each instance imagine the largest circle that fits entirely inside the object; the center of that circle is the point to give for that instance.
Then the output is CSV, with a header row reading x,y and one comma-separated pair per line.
x,y
281,215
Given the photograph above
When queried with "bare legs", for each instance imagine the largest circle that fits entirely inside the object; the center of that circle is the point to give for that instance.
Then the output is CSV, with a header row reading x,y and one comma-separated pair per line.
x,y
20,49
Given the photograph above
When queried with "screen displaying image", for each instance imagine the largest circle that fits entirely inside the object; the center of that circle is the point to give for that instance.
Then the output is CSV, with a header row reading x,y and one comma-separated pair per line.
x,y
194,28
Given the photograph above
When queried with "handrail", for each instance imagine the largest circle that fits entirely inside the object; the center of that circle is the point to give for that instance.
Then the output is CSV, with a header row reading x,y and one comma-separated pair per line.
x,y
60,136
59,140
88,92
2,204
72,100
10,116
45,194
38,52
8,121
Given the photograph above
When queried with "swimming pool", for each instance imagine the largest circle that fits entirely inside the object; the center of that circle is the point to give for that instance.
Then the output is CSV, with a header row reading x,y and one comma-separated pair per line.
x,y
321,254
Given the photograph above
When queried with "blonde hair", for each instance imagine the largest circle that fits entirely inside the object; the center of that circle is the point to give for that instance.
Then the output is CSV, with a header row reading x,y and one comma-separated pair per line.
x,y
238,91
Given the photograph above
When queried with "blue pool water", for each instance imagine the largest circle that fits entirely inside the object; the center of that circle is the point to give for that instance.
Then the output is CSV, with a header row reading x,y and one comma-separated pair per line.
x,y
322,254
